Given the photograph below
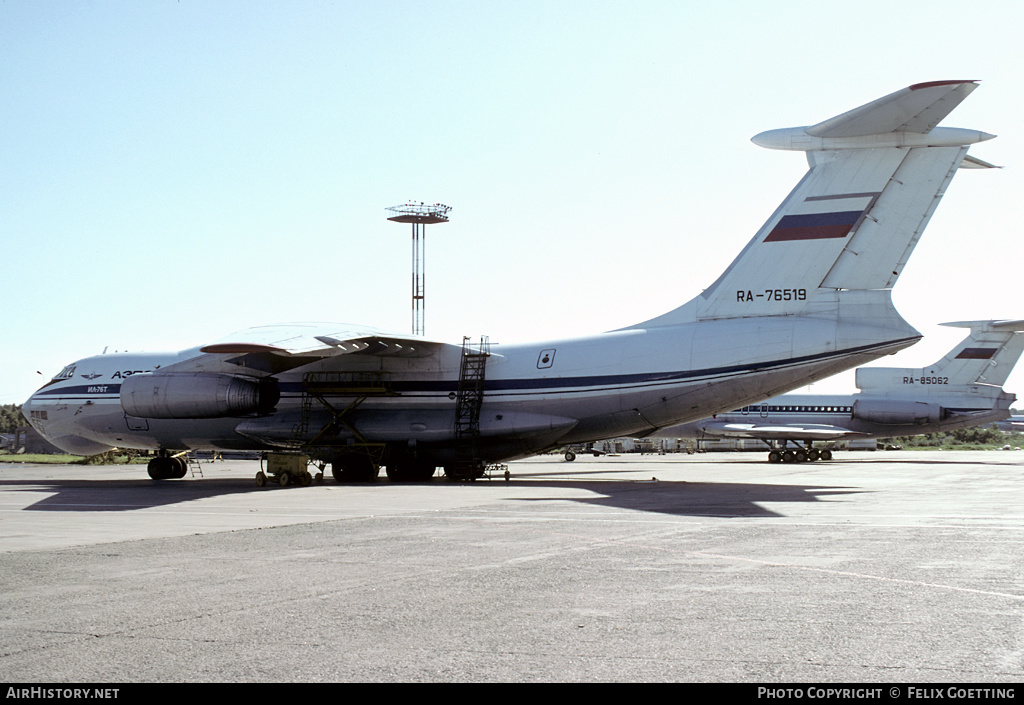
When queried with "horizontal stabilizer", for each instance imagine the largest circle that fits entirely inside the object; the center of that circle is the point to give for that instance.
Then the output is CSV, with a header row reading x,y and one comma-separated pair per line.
x,y
906,118
1004,325
970,162
917,109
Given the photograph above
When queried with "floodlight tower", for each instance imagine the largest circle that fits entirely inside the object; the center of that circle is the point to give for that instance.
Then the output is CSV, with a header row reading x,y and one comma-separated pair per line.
x,y
420,215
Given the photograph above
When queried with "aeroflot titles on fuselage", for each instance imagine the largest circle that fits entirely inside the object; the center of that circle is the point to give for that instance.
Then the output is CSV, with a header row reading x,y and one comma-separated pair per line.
x,y
120,374
69,372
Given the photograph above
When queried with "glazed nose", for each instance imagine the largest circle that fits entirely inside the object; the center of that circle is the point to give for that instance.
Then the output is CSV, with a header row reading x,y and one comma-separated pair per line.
x,y
26,408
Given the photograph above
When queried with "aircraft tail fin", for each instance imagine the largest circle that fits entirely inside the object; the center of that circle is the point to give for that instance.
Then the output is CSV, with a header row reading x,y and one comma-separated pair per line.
x,y
876,175
986,356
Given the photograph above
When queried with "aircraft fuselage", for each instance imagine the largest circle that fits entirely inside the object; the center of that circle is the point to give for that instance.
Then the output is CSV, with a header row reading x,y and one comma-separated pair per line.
x,y
536,396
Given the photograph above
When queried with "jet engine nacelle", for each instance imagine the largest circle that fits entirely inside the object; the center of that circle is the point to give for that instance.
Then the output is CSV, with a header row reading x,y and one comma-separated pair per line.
x,y
197,395
898,413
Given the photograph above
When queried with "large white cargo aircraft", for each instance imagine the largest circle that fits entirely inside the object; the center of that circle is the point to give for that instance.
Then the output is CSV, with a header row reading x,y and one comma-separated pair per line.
x,y
809,296
961,390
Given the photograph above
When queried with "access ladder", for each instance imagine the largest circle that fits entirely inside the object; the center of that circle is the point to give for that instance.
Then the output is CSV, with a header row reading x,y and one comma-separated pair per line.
x,y
468,464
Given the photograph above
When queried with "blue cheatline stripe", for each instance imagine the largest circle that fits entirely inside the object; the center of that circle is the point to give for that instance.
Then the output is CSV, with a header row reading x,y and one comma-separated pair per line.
x,y
109,390
647,378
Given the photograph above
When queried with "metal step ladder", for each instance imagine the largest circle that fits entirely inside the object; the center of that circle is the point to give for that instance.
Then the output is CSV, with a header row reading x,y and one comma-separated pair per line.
x,y
472,371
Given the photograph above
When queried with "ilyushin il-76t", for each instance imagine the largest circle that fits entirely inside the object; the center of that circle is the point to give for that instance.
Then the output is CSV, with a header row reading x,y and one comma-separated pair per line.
x,y
807,297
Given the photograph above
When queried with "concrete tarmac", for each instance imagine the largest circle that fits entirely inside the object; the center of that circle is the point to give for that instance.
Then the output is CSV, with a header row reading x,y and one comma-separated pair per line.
x,y
884,567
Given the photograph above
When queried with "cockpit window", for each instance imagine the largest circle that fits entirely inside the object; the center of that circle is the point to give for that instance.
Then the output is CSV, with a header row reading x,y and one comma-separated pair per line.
x,y
67,373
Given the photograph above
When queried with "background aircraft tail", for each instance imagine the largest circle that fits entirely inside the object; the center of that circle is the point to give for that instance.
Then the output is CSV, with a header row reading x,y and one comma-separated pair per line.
x,y
876,175
985,357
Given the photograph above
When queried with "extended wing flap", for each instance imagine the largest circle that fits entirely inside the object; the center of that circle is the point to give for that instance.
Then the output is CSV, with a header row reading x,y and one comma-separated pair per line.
x,y
307,339
273,349
381,345
323,340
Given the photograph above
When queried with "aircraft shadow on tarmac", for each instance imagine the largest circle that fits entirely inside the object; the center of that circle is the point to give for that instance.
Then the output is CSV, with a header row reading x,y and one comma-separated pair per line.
x,y
680,498
130,494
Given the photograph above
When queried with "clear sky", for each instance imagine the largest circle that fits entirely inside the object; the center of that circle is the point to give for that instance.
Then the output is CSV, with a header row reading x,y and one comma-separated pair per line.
x,y
174,171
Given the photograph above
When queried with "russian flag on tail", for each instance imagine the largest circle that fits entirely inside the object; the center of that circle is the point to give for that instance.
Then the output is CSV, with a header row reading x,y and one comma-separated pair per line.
x,y
820,220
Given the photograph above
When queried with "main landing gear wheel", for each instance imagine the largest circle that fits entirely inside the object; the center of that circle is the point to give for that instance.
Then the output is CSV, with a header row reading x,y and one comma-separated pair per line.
x,y
800,455
167,468
570,456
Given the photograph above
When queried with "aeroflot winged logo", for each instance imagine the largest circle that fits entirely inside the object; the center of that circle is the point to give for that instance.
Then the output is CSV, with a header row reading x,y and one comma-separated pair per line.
x,y
819,219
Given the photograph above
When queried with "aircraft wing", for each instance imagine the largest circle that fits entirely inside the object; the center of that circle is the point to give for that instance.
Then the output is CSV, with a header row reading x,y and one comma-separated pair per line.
x,y
274,349
778,432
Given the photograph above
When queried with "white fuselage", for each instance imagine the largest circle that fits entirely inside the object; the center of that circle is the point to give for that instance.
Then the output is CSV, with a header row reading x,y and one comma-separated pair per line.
x,y
537,395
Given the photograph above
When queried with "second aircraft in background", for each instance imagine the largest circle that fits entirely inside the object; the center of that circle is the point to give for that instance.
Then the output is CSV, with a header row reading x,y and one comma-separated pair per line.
x,y
961,390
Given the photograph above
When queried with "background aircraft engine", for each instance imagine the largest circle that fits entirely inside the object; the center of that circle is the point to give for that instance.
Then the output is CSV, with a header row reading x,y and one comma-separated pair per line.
x,y
898,413
197,395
